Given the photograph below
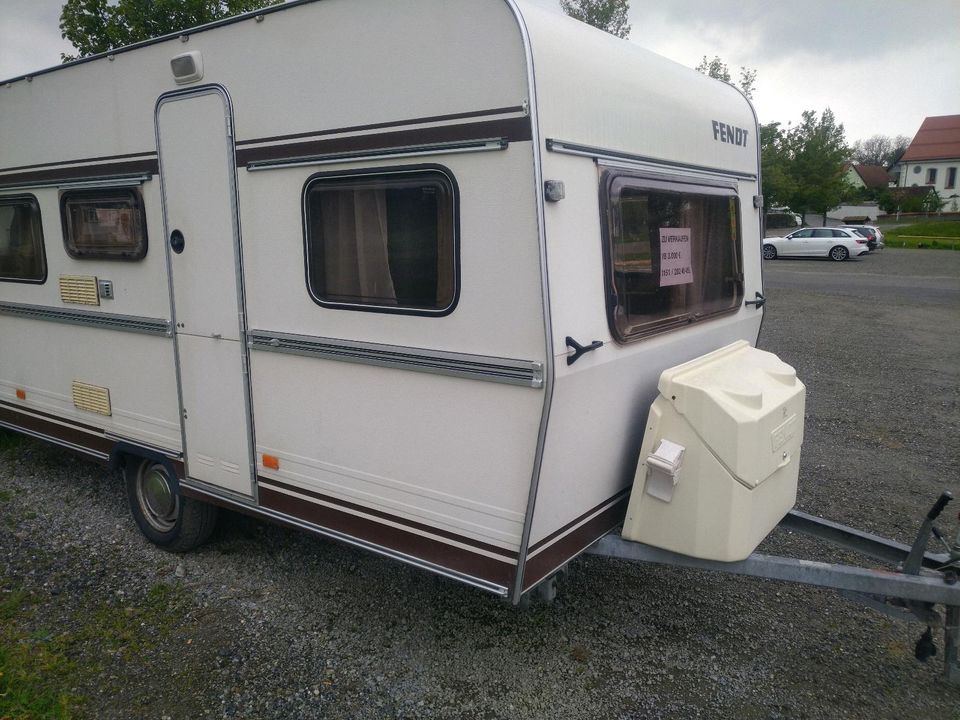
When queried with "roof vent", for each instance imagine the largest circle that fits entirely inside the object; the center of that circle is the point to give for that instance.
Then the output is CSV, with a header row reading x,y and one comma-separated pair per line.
x,y
187,68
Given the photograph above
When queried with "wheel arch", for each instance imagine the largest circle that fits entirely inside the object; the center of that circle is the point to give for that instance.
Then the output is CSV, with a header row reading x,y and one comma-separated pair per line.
x,y
123,452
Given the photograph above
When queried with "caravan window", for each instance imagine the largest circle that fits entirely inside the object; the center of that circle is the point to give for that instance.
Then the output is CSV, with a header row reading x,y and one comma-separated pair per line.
x,y
382,240
672,254
105,223
21,241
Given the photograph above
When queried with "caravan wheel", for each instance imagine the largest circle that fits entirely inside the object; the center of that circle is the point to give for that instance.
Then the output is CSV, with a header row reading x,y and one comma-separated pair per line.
x,y
164,516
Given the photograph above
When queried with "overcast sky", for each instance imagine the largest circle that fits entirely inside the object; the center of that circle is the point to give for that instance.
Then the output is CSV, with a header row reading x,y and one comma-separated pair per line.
x,y
881,65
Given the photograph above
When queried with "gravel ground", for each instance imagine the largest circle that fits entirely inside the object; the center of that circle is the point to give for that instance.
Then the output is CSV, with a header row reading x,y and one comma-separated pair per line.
x,y
266,622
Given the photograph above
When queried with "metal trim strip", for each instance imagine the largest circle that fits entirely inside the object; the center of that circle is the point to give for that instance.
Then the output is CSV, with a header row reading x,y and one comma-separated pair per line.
x,y
526,373
81,161
510,129
106,173
518,582
59,431
286,517
87,318
551,558
42,415
353,129
580,520
119,182
96,454
406,523
613,156
492,144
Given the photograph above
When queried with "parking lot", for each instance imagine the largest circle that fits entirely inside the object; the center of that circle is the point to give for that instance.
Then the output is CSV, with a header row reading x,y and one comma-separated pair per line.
x,y
266,622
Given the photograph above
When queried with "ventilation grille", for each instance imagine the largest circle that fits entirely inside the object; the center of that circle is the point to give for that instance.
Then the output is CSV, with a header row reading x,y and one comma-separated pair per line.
x,y
79,289
91,398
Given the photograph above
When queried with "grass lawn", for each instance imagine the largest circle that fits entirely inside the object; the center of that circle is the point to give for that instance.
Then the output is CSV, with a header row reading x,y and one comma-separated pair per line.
x,y
936,235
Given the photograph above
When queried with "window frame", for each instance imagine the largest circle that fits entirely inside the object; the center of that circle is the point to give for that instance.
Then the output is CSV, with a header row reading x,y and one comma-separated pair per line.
x,y
951,179
70,246
403,170
931,176
669,184
32,200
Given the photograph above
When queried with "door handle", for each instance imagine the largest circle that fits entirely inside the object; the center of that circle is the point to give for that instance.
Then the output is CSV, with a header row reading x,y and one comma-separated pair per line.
x,y
176,241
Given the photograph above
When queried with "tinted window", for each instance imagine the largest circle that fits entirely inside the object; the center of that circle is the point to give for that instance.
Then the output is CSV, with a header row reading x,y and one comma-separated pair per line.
x,y
673,254
802,233
104,223
21,240
382,240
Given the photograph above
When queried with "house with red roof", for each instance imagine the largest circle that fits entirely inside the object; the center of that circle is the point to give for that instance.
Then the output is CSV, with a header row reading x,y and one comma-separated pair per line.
x,y
867,176
933,159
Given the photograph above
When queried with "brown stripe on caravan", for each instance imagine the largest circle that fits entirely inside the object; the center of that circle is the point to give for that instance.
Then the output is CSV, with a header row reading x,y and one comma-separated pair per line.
x,y
512,129
56,432
396,519
576,521
149,166
384,125
552,557
81,426
409,543
81,161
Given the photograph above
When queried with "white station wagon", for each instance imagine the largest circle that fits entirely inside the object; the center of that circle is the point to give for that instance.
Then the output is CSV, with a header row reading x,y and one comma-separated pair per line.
x,y
834,243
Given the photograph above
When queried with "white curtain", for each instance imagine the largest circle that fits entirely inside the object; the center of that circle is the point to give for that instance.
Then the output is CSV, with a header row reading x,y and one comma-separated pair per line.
x,y
356,262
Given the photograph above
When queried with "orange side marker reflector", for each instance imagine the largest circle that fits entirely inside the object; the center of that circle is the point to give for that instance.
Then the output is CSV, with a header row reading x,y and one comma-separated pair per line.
x,y
21,394
271,462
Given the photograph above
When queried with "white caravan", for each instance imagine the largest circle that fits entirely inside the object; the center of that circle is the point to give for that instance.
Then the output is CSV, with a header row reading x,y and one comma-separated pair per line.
x,y
402,274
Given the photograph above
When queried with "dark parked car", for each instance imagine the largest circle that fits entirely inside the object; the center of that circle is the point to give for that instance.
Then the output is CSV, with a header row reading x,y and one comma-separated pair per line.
x,y
872,234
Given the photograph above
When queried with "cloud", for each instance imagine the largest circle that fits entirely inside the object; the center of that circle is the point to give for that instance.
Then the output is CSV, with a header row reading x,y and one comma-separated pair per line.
x,y
30,36
880,66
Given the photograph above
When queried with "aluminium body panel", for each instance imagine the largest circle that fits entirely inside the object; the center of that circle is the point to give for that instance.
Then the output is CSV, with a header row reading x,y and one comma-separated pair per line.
x,y
139,288
422,450
643,115
433,72
630,100
43,359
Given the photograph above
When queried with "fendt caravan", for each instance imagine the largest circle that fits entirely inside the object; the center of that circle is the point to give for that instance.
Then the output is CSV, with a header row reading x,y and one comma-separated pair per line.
x,y
408,275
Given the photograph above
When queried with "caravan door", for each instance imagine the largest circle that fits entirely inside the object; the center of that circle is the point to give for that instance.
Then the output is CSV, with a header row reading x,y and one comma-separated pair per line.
x,y
198,180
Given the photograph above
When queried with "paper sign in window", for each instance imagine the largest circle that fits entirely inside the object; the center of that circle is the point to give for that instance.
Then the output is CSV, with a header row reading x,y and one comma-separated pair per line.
x,y
676,266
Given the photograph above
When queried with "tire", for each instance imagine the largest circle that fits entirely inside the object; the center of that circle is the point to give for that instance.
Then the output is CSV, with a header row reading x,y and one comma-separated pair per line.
x,y
839,253
769,252
164,516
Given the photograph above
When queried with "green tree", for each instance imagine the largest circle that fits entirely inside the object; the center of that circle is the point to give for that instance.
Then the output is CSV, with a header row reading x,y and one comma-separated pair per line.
x,y
817,152
607,15
96,26
779,186
802,166
718,70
